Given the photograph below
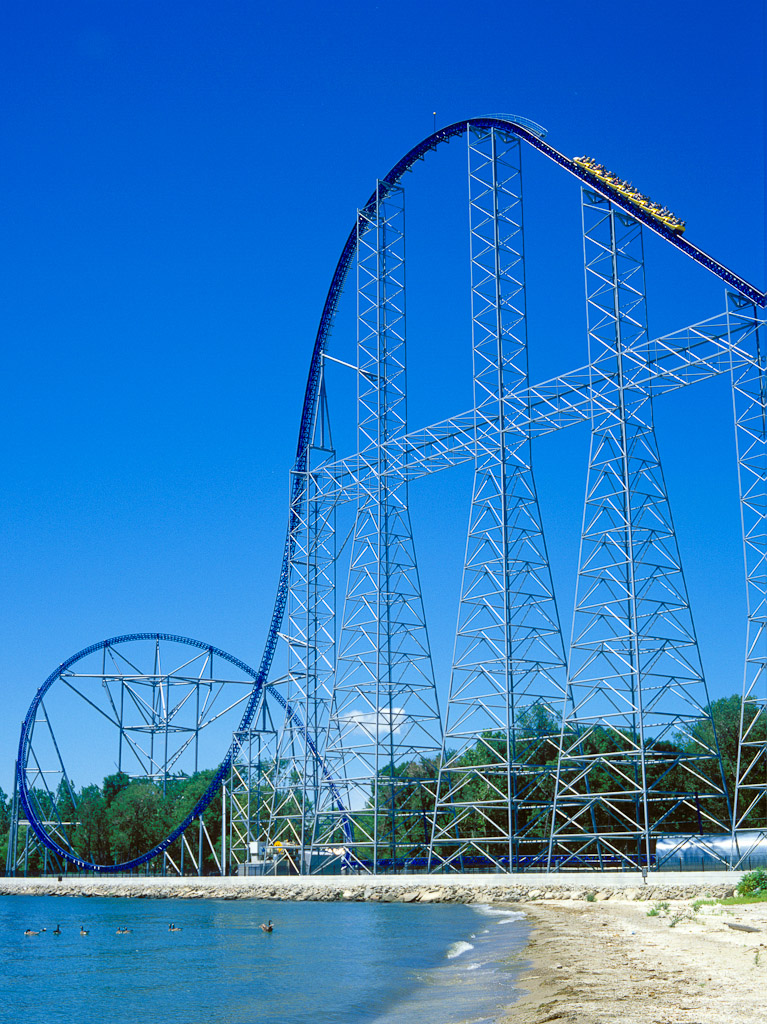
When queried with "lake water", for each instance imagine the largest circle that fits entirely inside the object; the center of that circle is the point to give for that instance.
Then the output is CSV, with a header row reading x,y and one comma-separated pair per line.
x,y
338,963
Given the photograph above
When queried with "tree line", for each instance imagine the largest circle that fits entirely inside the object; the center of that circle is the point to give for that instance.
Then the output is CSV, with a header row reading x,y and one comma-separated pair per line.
x,y
123,818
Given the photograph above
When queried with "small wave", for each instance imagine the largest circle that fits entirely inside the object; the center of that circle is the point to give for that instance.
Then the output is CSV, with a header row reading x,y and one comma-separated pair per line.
x,y
505,915
472,967
457,948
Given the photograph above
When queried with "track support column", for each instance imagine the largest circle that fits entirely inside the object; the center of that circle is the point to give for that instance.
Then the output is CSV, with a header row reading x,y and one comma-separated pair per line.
x,y
295,778
749,392
638,757
385,731
507,683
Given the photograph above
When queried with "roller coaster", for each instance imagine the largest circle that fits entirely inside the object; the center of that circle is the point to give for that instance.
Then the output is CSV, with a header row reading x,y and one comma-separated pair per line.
x,y
543,756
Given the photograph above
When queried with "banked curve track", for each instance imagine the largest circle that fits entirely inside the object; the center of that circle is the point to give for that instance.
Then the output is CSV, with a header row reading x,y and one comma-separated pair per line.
x,y
528,132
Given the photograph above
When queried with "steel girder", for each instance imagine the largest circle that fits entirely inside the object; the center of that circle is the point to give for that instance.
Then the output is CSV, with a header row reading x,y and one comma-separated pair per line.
x,y
507,682
660,366
635,748
384,733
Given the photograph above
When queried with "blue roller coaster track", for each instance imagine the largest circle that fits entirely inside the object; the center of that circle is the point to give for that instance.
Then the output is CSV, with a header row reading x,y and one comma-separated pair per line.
x,y
533,135
27,802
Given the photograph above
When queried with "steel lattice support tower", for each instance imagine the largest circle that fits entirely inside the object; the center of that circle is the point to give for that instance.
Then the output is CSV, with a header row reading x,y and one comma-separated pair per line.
x,y
633,749
311,651
750,410
251,788
385,732
507,682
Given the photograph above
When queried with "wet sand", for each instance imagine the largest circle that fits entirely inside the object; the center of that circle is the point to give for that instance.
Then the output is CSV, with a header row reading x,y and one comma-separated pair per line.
x,y
609,963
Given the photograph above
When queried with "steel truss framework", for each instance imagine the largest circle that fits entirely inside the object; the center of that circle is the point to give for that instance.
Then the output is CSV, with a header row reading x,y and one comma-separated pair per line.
x,y
384,729
296,777
252,791
635,680
637,692
158,704
749,391
507,684
369,707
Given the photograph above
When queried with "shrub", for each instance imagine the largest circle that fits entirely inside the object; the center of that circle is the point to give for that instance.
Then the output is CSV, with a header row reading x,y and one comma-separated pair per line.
x,y
753,883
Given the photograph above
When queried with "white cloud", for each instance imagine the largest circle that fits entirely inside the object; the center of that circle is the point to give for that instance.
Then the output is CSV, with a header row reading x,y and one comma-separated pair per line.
x,y
388,721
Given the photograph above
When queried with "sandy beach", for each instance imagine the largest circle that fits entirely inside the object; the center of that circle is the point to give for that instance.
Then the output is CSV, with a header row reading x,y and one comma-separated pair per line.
x,y
608,961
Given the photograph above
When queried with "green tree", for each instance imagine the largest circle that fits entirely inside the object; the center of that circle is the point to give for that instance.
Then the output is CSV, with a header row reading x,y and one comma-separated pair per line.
x,y
725,714
182,795
138,820
113,785
5,812
91,837
405,807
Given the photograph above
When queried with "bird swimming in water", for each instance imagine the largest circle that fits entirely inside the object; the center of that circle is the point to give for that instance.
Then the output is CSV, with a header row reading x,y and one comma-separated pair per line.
x,y
83,931
267,927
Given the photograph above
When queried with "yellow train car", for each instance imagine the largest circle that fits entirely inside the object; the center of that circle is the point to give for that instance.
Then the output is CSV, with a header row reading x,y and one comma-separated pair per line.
x,y
632,194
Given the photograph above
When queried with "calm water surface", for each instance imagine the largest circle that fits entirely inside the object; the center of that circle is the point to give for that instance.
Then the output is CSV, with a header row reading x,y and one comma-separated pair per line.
x,y
339,963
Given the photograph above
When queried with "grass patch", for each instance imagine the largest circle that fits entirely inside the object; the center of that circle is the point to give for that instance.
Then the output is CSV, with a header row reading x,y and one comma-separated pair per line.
x,y
727,901
703,903
739,901
657,909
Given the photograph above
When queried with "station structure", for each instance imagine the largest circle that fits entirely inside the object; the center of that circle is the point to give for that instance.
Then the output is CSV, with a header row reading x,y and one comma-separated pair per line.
x,y
600,752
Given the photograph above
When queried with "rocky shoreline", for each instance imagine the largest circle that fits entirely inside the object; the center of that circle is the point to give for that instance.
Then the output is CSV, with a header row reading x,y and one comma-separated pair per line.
x,y
413,889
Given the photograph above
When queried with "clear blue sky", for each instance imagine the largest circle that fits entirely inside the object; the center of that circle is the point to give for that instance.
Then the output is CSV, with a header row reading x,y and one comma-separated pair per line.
x,y
177,182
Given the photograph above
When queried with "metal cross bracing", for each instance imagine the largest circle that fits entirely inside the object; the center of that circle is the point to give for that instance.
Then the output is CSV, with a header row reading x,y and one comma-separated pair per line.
x,y
507,681
311,651
688,356
157,703
633,752
749,390
250,788
384,730
659,366
377,477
